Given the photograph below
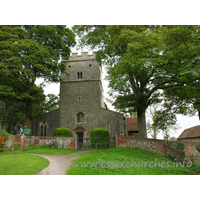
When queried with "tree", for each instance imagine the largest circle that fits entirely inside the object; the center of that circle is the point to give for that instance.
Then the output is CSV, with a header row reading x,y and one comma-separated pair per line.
x,y
12,114
151,127
183,44
50,103
164,120
142,61
28,52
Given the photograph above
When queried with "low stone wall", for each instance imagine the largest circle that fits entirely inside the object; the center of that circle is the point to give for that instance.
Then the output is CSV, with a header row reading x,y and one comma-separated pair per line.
x,y
156,146
60,142
189,147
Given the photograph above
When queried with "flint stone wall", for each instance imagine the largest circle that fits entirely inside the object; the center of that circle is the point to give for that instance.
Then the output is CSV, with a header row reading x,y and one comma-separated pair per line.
x,y
153,145
60,142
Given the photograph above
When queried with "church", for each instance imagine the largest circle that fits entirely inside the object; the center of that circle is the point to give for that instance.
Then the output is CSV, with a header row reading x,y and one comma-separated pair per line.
x,y
82,105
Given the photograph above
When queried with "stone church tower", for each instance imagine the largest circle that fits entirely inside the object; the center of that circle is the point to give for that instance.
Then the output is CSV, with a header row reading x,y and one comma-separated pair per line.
x,y
82,105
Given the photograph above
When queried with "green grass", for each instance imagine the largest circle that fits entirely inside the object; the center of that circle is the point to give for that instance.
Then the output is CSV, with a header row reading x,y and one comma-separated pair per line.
x,y
126,155
21,164
44,150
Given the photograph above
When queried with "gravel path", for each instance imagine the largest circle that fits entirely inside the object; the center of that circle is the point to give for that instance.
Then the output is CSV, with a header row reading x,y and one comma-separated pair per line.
x,y
59,164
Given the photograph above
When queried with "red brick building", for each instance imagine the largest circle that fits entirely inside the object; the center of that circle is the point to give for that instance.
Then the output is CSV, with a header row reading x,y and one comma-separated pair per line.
x,y
132,125
190,134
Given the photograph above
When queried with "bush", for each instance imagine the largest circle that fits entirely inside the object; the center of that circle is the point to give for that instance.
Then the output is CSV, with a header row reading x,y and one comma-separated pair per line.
x,y
3,132
169,143
198,148
62,132
99,133
180,146
3,137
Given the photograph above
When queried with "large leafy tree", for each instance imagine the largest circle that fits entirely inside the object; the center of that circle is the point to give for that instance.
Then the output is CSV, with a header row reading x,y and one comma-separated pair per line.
x,y
143,61
29,52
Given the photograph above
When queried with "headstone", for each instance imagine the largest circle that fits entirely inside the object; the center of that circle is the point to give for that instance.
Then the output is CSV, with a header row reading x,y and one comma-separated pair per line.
x,y
9,145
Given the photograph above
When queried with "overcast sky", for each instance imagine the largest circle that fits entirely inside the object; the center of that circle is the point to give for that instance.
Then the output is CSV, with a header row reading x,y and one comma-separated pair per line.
x,y
183,122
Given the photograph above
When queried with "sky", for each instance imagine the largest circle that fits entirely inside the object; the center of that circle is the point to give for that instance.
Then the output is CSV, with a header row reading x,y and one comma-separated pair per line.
x,y
102,12
183,122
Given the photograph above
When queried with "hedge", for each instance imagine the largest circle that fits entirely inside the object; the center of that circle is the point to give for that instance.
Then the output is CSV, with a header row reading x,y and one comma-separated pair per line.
x,y
99,133
62,132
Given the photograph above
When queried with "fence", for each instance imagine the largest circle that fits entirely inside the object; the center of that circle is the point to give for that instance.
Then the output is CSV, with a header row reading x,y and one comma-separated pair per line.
x,y
96,143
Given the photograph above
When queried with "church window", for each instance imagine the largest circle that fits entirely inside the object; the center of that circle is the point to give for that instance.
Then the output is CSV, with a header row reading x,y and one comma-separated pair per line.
x,y
69,66
90,65
80,117
43,129
79,98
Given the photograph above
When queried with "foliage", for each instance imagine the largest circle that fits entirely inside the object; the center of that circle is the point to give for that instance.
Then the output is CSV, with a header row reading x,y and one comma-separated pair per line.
x,y
136,135
28,52
51,103
169,143
144,61
180,146
152,129
99,133
3,137
198,148
166,137
3,133
2,143
62,132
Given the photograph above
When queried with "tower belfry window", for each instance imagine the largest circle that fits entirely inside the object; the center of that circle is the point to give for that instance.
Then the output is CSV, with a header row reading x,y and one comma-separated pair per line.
x,y
79,75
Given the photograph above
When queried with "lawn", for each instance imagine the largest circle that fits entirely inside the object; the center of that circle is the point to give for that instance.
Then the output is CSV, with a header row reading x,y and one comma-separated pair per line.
x,y
21,164
44,150
118,161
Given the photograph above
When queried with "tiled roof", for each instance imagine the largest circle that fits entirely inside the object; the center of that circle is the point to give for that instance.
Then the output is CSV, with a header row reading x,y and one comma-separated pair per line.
x,y
192,132
132,123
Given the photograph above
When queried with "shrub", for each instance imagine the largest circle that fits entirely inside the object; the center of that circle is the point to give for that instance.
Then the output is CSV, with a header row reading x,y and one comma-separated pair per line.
x,y
169,143
3,132
180,146
198,148
99,133
62,132
3,137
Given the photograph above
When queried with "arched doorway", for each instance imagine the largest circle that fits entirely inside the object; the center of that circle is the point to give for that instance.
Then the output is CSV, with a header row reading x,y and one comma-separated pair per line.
x,y
79,131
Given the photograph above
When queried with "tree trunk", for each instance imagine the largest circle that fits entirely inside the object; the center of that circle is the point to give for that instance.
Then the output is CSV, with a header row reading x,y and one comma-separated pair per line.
x,y
16,128
154,134
6,115
11,125
28,112
142,123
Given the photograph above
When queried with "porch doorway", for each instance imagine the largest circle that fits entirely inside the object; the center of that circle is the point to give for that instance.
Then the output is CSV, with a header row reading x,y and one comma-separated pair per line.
x,y
80,139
